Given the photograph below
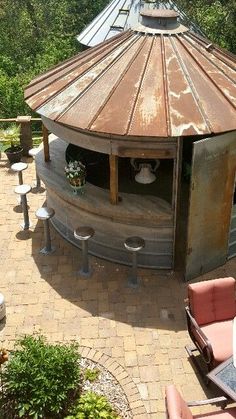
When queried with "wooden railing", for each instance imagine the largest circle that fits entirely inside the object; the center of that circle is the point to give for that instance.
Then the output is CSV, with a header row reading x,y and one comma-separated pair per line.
x,y
26,137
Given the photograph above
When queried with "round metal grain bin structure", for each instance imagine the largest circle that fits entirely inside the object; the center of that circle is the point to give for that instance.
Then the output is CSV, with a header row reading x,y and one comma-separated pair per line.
x,y
155,93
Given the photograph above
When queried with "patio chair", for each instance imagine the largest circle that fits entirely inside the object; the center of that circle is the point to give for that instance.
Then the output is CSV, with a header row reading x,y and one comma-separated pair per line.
x,y
210,315
177,408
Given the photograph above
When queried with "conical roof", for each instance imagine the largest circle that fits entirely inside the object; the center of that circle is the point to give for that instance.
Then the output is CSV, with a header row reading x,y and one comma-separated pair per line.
x,y
120,15
147,82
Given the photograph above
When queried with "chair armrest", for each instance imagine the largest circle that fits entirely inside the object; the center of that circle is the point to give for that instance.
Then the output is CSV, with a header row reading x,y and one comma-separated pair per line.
x,y
199,338
217,400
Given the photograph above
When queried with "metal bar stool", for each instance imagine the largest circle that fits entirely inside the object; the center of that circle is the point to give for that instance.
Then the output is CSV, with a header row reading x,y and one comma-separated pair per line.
x,y
45,214
23,190
84,234
19,167
32,152
134,245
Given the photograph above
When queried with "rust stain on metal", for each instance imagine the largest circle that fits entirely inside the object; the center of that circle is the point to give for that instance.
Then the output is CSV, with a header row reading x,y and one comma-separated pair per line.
x,y
140,85
213,175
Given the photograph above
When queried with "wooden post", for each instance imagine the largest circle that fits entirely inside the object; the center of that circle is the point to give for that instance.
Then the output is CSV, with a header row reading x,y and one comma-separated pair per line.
x,y
25,133
45,143
113,179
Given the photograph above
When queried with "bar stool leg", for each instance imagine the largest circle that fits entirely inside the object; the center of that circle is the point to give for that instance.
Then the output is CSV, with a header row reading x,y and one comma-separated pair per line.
x,y
19,198
26,223
20,178
134,273
38,181
133,279
85,265
48,249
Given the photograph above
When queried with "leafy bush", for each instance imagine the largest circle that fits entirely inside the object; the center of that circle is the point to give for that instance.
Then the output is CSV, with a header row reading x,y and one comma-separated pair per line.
x,y
40,378
91,375
92,406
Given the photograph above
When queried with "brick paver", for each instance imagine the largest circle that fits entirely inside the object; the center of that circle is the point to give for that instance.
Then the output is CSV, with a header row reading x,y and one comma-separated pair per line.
x,y
143,330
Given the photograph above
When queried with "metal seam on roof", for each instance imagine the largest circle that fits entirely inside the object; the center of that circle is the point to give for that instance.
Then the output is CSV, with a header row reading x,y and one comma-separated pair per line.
x,y
208,56
208,75
191,85
119,80
166,95
130,121
132,42
76,78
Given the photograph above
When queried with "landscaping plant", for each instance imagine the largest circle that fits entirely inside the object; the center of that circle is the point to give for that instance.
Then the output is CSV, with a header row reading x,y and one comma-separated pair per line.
x,y
91,375
92,406
41,380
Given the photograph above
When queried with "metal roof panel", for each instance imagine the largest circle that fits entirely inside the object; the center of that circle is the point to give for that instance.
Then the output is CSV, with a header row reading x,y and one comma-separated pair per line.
x,y
142,85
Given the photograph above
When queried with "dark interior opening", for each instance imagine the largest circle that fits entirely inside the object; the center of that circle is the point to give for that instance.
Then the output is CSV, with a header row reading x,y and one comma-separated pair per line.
x,y
98,173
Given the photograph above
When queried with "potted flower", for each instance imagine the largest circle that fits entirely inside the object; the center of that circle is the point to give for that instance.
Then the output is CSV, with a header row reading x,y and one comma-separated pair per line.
x,y
12,136
76,173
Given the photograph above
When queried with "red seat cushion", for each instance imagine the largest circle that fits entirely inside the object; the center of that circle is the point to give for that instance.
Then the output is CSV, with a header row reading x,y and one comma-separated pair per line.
x,y
176,407
220,335
212,300
221,414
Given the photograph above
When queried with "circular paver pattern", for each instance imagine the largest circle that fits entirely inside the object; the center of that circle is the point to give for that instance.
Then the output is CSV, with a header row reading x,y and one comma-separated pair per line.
x,y
123,378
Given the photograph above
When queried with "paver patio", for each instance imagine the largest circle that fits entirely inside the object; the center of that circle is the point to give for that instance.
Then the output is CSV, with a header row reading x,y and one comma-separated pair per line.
x,y
143,330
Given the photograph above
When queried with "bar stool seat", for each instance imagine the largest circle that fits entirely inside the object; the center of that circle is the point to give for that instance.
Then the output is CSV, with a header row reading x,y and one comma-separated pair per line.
x,y
22,189
84,233
33,151
134,244
45,213
19,167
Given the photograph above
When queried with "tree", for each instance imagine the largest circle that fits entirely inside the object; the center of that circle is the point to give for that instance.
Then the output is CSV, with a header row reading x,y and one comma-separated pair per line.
x,y
216,18
34,36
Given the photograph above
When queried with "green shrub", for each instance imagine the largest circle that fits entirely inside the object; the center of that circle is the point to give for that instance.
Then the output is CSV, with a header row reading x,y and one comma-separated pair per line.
x,y
91,375
92,406
40,379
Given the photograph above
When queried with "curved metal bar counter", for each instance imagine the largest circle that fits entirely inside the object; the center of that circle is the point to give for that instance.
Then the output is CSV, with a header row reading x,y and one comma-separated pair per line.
x,y
137,215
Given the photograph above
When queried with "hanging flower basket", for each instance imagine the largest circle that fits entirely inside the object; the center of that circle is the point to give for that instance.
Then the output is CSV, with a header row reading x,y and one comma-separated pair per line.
x,y
76,174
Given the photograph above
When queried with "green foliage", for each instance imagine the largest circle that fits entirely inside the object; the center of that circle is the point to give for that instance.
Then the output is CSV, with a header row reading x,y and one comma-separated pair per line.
x,y
216,18
34,36
91,375
92,406
40,378
11,136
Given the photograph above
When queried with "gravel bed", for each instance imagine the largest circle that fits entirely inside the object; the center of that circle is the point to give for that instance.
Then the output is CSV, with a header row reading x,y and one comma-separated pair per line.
x,y
108,386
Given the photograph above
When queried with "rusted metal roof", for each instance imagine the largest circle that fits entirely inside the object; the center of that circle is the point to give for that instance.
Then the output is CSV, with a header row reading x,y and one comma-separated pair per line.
x,y
120,15
142,85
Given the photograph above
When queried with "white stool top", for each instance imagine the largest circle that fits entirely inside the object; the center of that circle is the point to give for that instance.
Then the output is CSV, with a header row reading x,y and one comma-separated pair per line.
x,y
18,167
83,233
33,151
45,213
134,244
2,299
22,189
